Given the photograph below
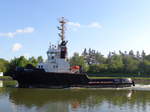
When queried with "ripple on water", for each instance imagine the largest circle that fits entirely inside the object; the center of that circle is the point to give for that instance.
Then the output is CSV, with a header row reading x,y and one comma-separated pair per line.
x,y
141,87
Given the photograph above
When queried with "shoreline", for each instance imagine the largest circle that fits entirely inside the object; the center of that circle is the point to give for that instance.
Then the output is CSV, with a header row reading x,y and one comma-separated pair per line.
x,y
137,80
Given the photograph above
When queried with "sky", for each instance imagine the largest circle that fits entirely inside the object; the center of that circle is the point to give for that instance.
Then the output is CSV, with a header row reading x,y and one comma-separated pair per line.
x,y
28,26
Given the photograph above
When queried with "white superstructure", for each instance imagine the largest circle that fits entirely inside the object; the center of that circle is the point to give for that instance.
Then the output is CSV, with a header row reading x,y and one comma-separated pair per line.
x,y
56,61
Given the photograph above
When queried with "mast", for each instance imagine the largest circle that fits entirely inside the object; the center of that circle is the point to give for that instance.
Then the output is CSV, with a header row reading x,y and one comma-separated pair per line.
x,y
62,28
62,45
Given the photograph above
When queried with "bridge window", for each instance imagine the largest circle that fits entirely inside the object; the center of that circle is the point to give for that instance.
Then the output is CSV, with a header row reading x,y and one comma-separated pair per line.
x,y
52,57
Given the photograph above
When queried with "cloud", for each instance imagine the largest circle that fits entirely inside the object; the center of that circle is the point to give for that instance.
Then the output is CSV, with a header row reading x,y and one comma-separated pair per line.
x,y
16,47
18,31
25,30
95,25
75,25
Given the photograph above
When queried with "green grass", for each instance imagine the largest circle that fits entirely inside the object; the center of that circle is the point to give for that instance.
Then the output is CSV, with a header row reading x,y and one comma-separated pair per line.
x,y
5,78
11,83
148,78
118,77
8,81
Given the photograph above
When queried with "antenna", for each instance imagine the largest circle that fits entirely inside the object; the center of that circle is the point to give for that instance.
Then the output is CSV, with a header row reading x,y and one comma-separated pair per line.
x,y
62,28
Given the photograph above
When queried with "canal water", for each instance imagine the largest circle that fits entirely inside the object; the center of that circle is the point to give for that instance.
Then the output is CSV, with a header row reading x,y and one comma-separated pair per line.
x,y
134,99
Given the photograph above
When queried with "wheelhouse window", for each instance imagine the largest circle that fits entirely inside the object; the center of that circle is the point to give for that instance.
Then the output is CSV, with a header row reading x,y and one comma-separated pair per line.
x,y
40,66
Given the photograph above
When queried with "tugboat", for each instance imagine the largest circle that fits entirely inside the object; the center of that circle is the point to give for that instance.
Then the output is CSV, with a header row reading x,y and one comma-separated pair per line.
x,y
56,72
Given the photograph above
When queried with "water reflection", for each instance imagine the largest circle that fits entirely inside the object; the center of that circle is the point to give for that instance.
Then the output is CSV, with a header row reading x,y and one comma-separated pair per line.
x,y
79,100
73,100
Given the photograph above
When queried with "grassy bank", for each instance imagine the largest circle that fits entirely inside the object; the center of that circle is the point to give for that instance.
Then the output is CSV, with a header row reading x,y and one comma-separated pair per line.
x,y
137,80
5,78
11,83
117,75
94,77
8,81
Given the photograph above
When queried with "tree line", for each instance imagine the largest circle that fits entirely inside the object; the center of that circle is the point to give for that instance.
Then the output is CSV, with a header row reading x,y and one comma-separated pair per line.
x,y
9,66
125,62
93,61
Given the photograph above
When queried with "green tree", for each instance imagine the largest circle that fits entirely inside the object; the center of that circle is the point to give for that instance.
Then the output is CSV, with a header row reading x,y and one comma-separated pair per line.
x,y
131,53
100,59
138,54
17,62
143,55
147,57
76,59
144,67
131,64
4,65
94,68
39,59
20,62
33,61
115,63
103,68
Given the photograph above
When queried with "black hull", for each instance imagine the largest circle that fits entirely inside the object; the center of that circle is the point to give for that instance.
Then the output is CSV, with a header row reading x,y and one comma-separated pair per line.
x,y
41,79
